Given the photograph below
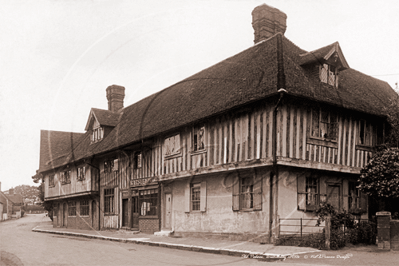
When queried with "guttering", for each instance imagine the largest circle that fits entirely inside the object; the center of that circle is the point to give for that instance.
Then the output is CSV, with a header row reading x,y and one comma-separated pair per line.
x,y
275,166
274,176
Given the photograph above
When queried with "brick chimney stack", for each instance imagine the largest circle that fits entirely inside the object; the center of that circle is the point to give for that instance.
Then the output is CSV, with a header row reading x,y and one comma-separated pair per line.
x,y
115,96
11,191
267,21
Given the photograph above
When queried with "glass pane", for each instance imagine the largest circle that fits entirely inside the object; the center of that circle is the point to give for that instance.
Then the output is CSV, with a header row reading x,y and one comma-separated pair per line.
x,y
315,123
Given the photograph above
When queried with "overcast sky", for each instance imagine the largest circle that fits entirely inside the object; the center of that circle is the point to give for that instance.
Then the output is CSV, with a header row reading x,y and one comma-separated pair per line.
x,y
57,57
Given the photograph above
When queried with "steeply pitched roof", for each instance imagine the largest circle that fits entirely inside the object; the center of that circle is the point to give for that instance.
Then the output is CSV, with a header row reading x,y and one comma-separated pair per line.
x,y
55,146
103,117
243,78
323,54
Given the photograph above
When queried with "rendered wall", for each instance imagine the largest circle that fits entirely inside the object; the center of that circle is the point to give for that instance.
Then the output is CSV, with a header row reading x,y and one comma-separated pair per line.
x,y
219,216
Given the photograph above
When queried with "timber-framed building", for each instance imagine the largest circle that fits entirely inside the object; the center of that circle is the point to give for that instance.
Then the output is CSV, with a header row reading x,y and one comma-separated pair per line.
x,y
270,132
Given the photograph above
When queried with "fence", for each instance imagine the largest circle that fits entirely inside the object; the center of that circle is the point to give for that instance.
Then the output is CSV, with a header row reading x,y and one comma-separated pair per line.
x,y
299,227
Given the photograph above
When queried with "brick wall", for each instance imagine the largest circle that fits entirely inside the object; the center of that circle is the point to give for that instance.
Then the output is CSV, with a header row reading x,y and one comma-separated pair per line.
x,y
394,234
148,226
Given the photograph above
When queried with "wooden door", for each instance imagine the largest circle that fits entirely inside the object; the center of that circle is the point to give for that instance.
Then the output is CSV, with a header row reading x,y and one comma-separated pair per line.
x,y
333,196
135,212
168,211
65,215
125,212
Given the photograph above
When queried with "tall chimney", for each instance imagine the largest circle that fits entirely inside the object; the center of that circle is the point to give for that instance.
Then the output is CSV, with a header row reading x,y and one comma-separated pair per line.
x,y
267,21
115,96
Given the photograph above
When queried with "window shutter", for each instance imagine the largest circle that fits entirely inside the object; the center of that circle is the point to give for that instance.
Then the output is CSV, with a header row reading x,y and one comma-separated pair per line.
x,y
258,194
236,194
345,188
116,200
187,199
301,193
203,197
363,201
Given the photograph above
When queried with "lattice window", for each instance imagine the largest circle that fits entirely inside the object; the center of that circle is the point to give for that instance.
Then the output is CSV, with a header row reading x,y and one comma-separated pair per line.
x,y
84,208
365,133
97,134
148,202
109,201
72,208
81,171
324,124
51,182
65,177
196,197
199,138
328,75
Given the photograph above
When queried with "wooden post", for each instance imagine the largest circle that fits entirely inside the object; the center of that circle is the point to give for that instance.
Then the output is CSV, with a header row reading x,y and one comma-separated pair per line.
x,y
327,231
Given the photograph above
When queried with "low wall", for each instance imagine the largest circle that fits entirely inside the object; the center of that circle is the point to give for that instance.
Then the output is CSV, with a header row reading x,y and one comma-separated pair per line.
x,y
387,231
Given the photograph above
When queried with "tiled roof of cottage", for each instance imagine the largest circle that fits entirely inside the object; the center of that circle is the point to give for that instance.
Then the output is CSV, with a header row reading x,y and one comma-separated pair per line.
x,y
243,78
55,146
104,117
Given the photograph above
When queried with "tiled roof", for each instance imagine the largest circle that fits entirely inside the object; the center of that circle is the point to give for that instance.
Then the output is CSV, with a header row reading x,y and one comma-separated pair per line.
x,y
55,146
16,198
243,78
103,117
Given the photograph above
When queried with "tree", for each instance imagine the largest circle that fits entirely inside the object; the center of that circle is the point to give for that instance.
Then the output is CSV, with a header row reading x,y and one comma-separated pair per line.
x,y
380,177
48,206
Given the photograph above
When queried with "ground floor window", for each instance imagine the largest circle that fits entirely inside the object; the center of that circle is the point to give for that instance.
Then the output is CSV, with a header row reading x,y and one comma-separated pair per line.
x,y
195,197
72,208
308,193
84,208
149,202
247,193
109,201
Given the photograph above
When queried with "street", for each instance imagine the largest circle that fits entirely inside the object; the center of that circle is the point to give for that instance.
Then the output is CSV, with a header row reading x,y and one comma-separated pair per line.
x,y
21,246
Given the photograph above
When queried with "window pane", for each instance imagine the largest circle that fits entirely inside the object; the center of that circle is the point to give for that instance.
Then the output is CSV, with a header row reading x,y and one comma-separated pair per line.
x,y
315,123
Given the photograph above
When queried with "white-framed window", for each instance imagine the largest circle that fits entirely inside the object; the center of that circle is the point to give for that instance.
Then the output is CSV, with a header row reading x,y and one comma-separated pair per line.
x,y
199,138
308,195
172,145
81,171
324,124
195,197
97,134
247,193
328,75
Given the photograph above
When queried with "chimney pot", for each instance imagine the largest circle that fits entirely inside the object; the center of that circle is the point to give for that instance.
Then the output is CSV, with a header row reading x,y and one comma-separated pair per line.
x,y
267,21
115,96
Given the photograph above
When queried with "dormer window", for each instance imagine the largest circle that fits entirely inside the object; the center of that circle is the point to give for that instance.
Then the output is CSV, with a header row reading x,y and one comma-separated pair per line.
x,y
97,135
328,74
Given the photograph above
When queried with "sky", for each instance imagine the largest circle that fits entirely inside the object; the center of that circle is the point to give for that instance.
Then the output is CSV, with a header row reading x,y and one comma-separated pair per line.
x,y
57,57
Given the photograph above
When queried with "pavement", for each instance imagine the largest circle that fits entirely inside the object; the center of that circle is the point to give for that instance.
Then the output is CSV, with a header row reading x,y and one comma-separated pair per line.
x,y
245,249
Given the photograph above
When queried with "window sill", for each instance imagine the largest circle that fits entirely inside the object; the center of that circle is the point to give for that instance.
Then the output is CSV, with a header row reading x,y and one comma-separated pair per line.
x,y
172,156
364,147
197,152
149,217
65,183
323,142
109,214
